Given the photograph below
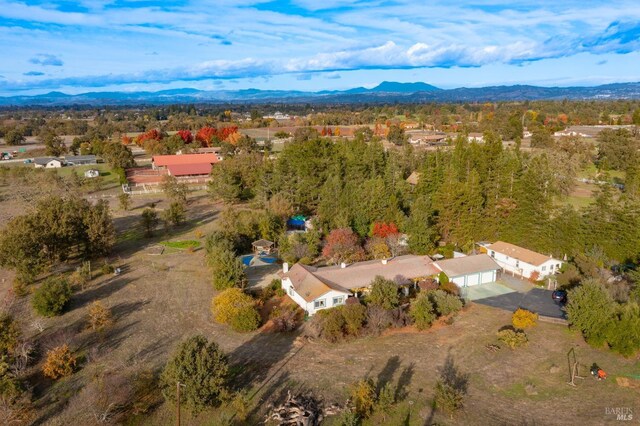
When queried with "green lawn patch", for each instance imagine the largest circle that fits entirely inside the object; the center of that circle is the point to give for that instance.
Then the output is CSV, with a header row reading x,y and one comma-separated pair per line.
x,y
181,245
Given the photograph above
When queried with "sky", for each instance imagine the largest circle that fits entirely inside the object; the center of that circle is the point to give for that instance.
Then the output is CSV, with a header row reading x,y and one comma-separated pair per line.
x,y
130,45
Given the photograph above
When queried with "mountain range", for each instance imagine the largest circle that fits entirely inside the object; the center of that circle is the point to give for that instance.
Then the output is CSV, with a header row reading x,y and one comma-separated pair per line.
x,y
385,92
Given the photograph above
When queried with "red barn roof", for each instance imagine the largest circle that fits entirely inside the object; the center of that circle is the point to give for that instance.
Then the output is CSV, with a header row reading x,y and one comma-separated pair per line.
x,y
189,169
166,160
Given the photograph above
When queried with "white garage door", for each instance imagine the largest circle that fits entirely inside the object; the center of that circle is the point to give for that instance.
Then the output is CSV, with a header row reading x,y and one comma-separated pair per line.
x,y
488,277
473,279
459,281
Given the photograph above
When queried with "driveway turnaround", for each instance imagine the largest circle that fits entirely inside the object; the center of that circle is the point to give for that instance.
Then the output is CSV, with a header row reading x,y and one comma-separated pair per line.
x,y
505,297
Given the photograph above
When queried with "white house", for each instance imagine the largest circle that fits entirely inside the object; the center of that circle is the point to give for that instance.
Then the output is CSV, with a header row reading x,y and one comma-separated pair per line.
x,y
475,137
467,271
521,261
48,162
319,288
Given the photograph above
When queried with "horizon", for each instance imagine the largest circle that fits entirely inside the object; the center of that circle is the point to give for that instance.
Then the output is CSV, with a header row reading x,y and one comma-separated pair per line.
x,y
299,45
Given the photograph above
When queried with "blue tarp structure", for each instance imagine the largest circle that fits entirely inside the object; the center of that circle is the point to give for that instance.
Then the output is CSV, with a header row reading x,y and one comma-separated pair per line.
x,y
296,222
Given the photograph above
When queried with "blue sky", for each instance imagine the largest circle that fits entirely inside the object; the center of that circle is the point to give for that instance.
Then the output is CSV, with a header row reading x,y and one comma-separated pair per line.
x,y
97,45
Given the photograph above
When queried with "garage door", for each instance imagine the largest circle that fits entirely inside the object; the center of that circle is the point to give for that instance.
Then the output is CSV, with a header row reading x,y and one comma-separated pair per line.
x,y
473,279
488,277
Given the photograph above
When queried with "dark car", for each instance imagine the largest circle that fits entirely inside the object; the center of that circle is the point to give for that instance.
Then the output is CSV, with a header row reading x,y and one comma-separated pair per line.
x,y
559,296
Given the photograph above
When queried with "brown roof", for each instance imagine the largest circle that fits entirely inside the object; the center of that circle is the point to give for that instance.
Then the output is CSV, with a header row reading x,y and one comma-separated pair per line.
x,y
262,243
520,253
166,160
467,265
189,169
306,284
413,178
401,269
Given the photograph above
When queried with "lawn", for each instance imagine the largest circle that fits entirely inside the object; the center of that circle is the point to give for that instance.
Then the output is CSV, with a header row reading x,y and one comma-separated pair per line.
x,y
181,245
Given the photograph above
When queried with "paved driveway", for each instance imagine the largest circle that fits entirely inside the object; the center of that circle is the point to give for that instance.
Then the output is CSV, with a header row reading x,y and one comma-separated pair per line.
x,y
507,296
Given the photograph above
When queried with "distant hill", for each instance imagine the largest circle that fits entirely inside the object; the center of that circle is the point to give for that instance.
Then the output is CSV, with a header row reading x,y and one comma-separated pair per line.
x,y
387,91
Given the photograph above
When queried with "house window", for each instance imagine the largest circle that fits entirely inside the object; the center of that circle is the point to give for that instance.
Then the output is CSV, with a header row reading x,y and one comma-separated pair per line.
x,y
319,304
544,268
517,263
291,291
493,254
338,300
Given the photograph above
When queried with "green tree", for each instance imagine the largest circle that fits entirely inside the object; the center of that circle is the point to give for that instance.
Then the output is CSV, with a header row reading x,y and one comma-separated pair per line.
x,y
175,214
384,293
396,135
174,190
52,297
541,138
125,201
9,333
117,155
14,137
54,144
623,334
202,368
237,309
226,269
591,310
99,229
149,221
422,311
421,227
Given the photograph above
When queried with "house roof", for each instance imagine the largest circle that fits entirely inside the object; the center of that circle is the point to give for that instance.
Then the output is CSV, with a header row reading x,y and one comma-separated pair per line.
x,y
262,243
45,160
400,269
413,178
467,265
73,158
307,285
189,169
529,256
166,160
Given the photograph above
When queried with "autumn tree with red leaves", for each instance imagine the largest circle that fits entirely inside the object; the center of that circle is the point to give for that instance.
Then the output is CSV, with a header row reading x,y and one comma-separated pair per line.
x,y
343,245
206,135
149,135
186,136
383,230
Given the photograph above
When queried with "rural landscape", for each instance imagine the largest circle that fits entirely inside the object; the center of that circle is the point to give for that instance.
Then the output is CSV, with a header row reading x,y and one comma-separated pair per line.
x,y
299,213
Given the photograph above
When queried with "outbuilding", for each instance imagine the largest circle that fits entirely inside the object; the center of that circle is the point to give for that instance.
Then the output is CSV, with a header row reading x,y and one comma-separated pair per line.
x,y
48,162
79,160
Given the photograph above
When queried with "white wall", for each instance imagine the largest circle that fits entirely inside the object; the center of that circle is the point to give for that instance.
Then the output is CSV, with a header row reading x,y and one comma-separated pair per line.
x,y
309,307
474,279
525,269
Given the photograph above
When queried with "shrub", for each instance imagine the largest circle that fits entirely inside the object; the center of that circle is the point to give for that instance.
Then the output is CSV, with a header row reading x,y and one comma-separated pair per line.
x,y
378,319
624,333
534,277
450,288
428,284
445,303
386,399
99,317
227,269
447,397
20,286
60,362
384,293
443,278
354,318
107,268
52,297
285,318
512,338
349,418
237,309
333,324
202,367
363,397
422,311
9,333
523,318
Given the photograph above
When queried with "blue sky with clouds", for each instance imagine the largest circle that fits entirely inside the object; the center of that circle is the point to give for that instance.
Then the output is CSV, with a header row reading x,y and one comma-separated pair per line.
x,y
96,45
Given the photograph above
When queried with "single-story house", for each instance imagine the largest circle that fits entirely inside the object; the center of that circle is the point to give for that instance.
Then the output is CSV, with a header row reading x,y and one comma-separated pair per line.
x,y
468,271
91,173
48,162
77,160
522,261
319,288
163,161
475,137
262,246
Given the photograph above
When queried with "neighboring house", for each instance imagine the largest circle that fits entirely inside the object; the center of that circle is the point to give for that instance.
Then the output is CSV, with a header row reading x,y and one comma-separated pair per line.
x,y
48,162
308,285
92,173
475,137
522,261
185,170
468,271
262,246
163,161
78,160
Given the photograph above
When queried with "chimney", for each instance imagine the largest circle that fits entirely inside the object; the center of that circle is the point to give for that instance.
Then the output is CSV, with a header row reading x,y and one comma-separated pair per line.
x,y
285,267
343,265
384,261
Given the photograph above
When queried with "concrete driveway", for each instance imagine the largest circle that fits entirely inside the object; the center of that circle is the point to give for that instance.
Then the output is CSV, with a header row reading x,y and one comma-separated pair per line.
x,y
511,296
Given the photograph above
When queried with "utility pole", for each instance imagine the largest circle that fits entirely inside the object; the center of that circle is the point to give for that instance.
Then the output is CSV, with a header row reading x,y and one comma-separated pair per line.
x,y
178,385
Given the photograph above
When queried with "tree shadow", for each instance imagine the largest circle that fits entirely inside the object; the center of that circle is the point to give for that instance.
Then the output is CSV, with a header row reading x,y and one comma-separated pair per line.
x,y
101,291
388,371
452,376
404,381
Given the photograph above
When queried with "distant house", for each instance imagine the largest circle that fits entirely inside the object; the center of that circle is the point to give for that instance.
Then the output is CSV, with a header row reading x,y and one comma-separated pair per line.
x,y
78,160
314,289
183,170
467,271
163,161
522,261
413,178
48,162
475,137
262,246
92,173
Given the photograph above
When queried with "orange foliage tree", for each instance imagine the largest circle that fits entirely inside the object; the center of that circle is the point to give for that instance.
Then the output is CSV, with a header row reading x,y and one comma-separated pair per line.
x,y
149,135
186,136
60,362
343,245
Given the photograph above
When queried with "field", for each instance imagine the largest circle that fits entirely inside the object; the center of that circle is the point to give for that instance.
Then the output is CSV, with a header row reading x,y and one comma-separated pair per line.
x,y
158,300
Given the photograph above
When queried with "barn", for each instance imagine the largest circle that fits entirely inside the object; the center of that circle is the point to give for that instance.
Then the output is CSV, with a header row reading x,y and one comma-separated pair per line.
x,y
469,270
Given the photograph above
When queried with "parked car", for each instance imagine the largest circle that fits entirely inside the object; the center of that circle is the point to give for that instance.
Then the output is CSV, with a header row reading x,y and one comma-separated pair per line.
x,y
559,296
28,161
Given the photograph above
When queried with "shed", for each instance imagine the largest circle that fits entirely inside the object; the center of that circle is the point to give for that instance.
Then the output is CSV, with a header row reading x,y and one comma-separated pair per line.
x,y
262,246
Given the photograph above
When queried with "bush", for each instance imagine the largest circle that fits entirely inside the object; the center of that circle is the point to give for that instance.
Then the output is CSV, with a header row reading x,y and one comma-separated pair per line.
x,y
99,317
624,333
363,397
20,286
354,318
286,318
444,303
60,362
422,311
202,368
450,288
52,297
443,278
384,293
523,318
378,319
9,333
237,309
349,418
447,397
333,324
512,338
